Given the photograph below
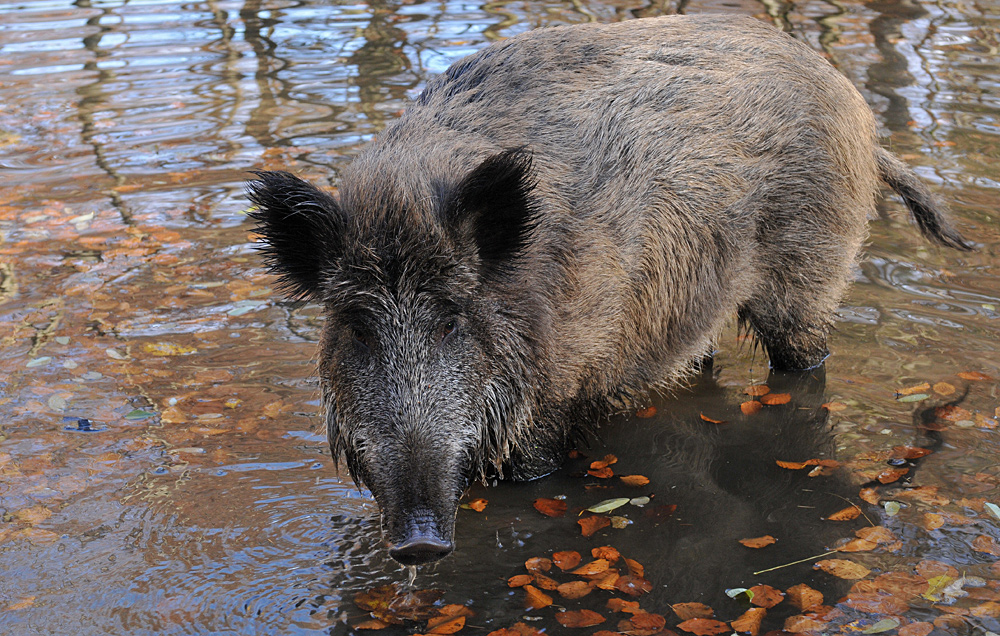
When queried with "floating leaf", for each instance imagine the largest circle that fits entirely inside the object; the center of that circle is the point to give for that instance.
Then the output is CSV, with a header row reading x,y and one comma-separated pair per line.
x,y
687,611
749,622
875,603
843,569
804,597
575,589
566,560
647,621
869,495
766,596
608,505
711,421
757,390
633,585
943,388
445,624
601,473
758,542
621,605
734,592
634,480
639,501
646,412
594,567
545,582
606,461
916,397
536,599
478,505
520,580
987,544
749,408
975,376
538,564
916,629
890,475
833,407
590,525
910,452
774,399
993,509
704,626
138,414
605,552
579,618
918,388
891,508
851,512
551,507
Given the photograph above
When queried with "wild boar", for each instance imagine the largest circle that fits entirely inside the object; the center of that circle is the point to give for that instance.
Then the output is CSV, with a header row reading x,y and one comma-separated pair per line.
x,y
561,223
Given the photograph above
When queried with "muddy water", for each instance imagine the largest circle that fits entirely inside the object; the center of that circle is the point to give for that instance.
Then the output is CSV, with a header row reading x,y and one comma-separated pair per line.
x,y
161,469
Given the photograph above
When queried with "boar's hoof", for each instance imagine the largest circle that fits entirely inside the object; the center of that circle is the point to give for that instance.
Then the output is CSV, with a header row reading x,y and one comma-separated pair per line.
x,y
421,549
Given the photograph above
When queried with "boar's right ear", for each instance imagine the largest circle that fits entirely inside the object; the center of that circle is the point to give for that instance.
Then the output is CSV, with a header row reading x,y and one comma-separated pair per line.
x,y
301,227
494,204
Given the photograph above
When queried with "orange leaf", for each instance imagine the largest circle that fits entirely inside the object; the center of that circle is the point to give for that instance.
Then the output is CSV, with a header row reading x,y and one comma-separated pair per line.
x,y
711,421
605,552
601,473
445,624
607,581
851,512
890,475
621,605
758,542
579,618
456,610
687,611
843,569
975,376
647,621
875,603
478,505
372,624
869,495
750,621
646,412
774,399
918,388
757,390
520,580
943,388
590,525
833,407
567,559
766,596
594,567
633,585
519,629
634,567
538,564
704,626
986,544
749,408
804,597
790,465
545,582
551,507
603,463
575,589
634,480
536,599
916,629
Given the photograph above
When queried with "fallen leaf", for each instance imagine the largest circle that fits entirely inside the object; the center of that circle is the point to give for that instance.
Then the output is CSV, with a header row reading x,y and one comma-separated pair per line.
x,y
608,505
925,494
758,542
704,626
833,407
952,413
687,611
566,559
804,597
520,580
916,397
975,376
477,504
711,421
869,495
890,475
538,564
545,582
621,605
749,408
445,624
24,603
647,621
536,599
749,622
519,629
551,507
910,452
605,552
575,589
916,629
757,390
634,480
633,585
987,544
805,623
635,568
606,461
601,473
851,512
842,568
607,581
875,603
917,388
594,567
590,525
646,412
579,618
943,388
774,399
765,596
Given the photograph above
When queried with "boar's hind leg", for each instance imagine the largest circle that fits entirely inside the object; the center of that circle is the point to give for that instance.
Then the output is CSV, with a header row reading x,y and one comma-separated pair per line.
x,y
792,341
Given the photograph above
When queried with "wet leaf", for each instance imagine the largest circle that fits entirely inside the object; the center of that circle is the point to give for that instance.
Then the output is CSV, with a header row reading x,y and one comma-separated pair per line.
x,y
536,599
869,495
594,567
916,397
633,585
634,567
952,413
601,473
647,621
566,560
476,504
138,414
33,515
943,388
916,629
575,589
704,626
606,461
605,552
711,421
875,603
925,494
749,408
621,605
774,399
890,475
607,581
590,525
833,407
891,508
766,596
538,564
843,569
520,580
445,624
24,603
846,514
910,452
519,629
646,412
551,507
608,505
579,618
758,542
804,597
918,388
993,509
545,582
639,501
975,376
687,611
805,623
757,390
749,622
634,480
986,544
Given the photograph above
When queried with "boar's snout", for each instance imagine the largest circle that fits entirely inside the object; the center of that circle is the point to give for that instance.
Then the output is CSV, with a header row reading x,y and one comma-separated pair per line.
x,y
423,541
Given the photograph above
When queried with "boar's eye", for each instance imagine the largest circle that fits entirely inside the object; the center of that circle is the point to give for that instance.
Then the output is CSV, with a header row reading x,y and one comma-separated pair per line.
x,y
361,340
447,329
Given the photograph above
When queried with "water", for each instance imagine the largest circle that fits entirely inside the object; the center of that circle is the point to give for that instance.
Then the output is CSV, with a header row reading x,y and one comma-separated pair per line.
x,y
202,499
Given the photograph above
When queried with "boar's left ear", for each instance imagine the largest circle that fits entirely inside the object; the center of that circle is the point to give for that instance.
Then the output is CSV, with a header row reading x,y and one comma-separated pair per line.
x,y
301,227
494,203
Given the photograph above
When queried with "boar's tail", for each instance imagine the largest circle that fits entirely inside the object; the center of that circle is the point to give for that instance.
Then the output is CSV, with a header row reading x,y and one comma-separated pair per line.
x,y
919,200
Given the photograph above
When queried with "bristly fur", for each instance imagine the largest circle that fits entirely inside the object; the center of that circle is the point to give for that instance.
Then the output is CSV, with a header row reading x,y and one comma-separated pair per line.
x,y
300,226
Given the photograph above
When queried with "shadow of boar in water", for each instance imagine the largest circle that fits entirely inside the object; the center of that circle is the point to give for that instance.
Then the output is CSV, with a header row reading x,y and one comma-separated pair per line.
x,y
564,221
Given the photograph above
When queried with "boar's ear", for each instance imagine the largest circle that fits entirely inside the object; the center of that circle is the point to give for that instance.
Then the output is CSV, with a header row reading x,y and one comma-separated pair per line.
x,y
301,227
495,204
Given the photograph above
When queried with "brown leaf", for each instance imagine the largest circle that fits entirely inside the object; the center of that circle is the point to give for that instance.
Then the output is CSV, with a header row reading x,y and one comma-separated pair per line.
x,y
711,421
519,629
545,582
774,399
750,621
454,609
869,495
647,621
987,544
646,412
567,559
590,525
925,494
875,603
758,542
975,376
757,390
634,480
575,589
621,605
890,475
749,408
607,581
704,626
445,624
634,567
804,597
478,505
606,461
852,512
538,564
833,407
601,473
605,552
536,599
916,629
766,596
372,624
943,388
551,507
520,580
917,388
579,618
842,568
687,611
633,585
804,623
952,413
594,567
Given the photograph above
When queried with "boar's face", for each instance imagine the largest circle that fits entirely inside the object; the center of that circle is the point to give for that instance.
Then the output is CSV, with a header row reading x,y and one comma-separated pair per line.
x,y
419,356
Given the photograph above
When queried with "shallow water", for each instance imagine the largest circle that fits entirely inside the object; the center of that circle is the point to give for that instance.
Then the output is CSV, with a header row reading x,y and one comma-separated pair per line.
x,y
204,500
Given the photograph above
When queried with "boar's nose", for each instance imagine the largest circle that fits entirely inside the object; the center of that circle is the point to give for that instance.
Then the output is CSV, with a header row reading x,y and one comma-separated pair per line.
x,y
421,549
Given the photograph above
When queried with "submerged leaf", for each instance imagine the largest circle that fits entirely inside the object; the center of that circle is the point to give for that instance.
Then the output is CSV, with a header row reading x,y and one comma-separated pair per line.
x,y
704,626
567,559
608,505
579,618
634,480
590,525
551,507
758,542
843,569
